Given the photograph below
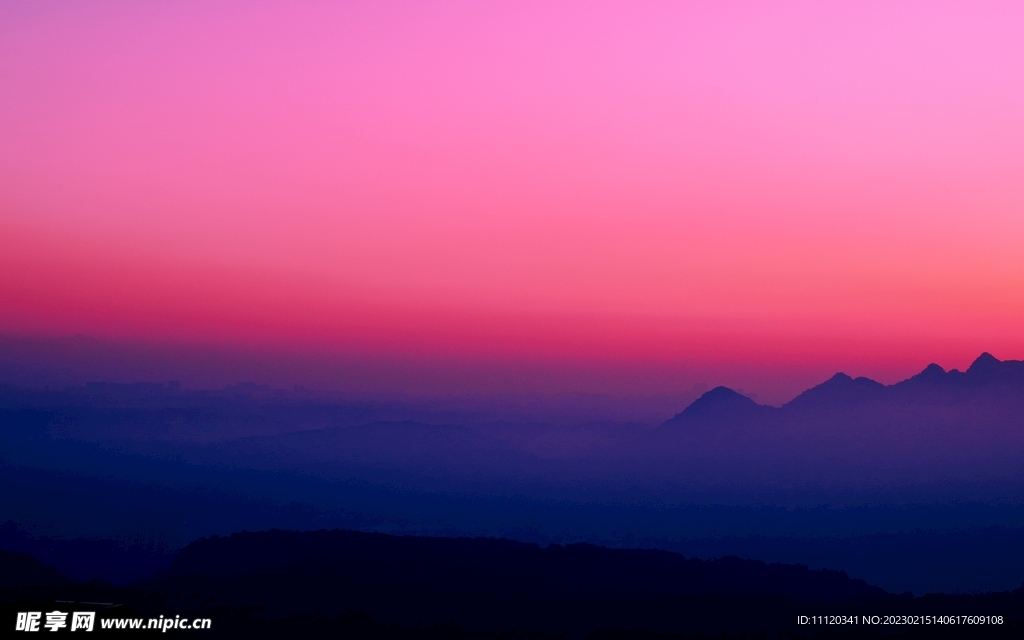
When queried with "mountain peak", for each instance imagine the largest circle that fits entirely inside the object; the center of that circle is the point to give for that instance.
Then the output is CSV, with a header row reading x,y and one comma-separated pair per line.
x,y
722,393
986,362
985,370
841,380
932,374
720,402
838,390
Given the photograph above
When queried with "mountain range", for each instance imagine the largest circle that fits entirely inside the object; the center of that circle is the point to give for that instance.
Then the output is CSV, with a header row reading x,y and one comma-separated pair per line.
x,y
935,427
958,433
110,480
987,379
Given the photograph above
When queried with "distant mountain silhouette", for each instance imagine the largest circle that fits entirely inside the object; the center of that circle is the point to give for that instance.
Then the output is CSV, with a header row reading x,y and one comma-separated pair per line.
x,y
838,391
932,375
951,430
985,372
148,452
721,405
987,367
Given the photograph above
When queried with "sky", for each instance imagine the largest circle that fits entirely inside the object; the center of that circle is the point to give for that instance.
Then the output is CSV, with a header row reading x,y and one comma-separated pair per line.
x,y
612,197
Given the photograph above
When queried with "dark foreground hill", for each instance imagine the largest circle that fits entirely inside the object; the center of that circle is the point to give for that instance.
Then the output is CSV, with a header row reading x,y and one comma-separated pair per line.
x,y
354,585
22,570
485,583
498,567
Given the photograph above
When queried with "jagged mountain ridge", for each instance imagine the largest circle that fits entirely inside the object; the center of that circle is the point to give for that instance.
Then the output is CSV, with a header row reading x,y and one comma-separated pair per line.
x,y
986,375
948,430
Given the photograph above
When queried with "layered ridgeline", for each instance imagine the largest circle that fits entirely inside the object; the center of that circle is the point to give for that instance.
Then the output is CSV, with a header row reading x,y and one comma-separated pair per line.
x,y
915,485
962,430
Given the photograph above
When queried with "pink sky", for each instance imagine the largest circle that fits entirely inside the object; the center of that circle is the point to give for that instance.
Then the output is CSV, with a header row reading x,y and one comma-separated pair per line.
x,y
753,194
